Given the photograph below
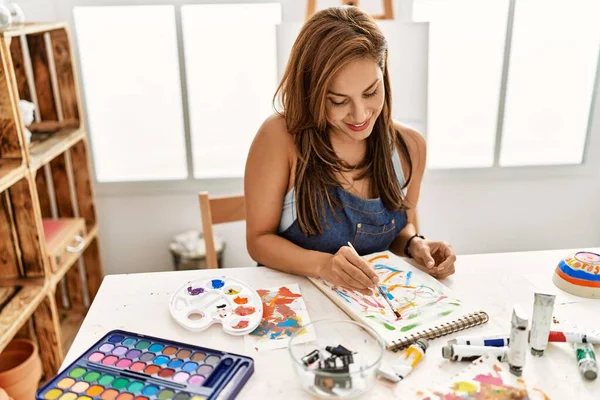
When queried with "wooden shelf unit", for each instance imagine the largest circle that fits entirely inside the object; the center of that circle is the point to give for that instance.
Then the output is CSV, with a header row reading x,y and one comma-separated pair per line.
x,y
50,177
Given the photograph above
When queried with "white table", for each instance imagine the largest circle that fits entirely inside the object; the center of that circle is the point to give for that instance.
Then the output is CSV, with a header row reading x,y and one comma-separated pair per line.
x,y
495,282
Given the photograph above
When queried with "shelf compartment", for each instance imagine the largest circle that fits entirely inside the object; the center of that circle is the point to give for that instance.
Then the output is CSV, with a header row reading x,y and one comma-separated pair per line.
x,y
19,304
73,257
46,150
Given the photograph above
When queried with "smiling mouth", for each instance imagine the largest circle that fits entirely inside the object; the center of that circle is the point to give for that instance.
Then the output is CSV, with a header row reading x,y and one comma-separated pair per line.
x,y
359,127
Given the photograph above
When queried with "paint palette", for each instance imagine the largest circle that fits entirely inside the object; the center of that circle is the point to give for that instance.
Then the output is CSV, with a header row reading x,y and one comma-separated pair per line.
x,y
129,366
203,302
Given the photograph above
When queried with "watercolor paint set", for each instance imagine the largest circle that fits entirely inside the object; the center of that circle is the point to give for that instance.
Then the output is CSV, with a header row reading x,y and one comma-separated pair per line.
x,y
232,303
129,366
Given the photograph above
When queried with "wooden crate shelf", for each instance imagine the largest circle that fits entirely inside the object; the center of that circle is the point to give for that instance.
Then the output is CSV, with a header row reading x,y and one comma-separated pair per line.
x,y
73,257
10,173
32,28
70,322
17,309
49,177
43,73
46,150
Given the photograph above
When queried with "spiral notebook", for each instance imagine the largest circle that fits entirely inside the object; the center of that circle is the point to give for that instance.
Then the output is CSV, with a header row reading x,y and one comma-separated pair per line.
x,y
428,309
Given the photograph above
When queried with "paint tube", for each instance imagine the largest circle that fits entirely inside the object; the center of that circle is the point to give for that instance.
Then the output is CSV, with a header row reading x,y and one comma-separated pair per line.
x,y
412,356
517,349
311,358
586,360
492,341
543,306
574,337
463,352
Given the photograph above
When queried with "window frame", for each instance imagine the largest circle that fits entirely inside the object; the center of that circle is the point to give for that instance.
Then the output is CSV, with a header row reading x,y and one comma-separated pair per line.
x,y
589,167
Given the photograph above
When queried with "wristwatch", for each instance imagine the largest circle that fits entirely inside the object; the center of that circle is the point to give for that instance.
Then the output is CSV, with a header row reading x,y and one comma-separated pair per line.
x,y
408,244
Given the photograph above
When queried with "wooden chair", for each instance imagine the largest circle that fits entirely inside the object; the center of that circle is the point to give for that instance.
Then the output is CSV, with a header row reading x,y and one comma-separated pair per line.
x,y
388,9
218,211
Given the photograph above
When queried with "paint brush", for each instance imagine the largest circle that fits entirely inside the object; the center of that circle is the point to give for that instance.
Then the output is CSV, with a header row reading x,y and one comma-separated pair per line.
x,y
381,292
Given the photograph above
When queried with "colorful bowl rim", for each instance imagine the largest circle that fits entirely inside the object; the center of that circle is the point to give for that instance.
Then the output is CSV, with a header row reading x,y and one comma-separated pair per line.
x,y
370,330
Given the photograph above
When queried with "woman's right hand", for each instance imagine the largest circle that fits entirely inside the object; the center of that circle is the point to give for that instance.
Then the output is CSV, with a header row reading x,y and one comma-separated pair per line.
x,y
348,269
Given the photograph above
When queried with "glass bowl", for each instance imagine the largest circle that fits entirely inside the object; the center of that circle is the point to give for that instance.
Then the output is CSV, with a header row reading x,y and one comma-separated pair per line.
x,y
341,363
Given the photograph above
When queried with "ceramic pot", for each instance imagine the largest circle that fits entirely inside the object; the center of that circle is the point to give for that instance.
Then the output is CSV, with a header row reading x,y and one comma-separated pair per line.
x,y
5,17
20,369
16,13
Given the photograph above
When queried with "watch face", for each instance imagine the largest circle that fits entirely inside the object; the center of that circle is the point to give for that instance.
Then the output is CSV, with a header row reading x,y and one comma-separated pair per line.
x,y
587,257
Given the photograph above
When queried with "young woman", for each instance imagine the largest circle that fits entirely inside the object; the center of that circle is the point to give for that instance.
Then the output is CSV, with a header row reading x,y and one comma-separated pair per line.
x,y
333,167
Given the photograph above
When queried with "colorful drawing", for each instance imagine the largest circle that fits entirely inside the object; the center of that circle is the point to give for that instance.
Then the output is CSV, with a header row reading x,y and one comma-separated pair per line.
x,y
487,379
420,299
284,314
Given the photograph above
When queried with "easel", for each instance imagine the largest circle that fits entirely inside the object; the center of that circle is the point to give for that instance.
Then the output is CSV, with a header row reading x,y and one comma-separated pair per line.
x,y
388,10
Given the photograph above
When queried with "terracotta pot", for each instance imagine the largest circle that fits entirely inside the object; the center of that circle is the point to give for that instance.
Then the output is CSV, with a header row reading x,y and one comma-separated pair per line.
x,y
20,369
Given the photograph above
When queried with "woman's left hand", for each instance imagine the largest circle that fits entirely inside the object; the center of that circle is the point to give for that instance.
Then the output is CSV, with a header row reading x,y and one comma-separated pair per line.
x,y
437,257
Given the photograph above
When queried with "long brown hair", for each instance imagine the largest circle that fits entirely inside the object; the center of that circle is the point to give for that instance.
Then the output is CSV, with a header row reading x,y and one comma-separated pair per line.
x,y
328,41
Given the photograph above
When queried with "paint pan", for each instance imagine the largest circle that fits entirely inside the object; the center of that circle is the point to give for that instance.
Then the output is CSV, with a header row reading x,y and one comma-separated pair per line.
x,y
129,366
200,303
543,306
517,347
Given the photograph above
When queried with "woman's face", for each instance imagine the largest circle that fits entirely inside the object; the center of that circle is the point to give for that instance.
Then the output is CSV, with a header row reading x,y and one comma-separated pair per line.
x,y
355,99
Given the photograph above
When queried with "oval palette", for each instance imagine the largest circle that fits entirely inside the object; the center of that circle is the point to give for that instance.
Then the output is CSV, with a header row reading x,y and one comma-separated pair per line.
x,y
200,303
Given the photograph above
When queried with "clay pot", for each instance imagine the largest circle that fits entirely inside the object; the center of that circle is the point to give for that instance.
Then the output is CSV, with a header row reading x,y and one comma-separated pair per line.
x,y
20,369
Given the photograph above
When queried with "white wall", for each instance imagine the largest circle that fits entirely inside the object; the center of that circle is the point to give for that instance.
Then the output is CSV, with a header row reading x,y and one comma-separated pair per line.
x,y
475,212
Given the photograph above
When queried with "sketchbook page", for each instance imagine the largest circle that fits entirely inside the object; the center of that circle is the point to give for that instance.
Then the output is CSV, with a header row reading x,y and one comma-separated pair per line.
x,y
284,313
484,378
422,301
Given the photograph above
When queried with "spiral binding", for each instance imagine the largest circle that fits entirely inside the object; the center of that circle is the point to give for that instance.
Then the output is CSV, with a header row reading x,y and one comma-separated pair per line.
x,y
468,321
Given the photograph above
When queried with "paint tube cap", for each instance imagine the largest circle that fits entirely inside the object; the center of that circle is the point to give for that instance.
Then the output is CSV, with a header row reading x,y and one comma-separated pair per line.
x,y
589,369
447,352
518,371
423,343
537,353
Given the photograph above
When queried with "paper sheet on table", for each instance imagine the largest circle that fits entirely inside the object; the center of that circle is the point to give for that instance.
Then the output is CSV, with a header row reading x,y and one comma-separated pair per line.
x,y
485,378
284,314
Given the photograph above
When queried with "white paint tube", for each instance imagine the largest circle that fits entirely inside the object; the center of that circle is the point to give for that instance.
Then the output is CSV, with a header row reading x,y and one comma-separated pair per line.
x,y
412,356
463,352
517,348
543,306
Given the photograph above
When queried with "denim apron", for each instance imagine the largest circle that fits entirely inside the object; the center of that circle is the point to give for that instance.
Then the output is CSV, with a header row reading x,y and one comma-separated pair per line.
x,y
366,223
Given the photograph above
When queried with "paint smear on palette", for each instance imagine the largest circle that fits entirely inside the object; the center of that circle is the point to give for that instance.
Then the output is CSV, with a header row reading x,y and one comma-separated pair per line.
x,y
217,283
243,311
487,379
284,314
242,324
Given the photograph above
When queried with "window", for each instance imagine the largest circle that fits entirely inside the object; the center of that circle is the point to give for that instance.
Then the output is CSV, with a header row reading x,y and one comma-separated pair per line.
x,y
167,100
230,81
510,81
132,92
